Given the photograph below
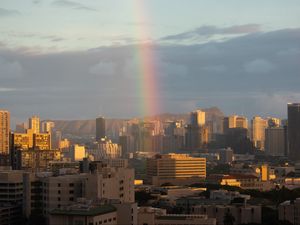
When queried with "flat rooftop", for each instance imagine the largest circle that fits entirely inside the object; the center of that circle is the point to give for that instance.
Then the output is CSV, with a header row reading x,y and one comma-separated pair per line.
x,y
91,211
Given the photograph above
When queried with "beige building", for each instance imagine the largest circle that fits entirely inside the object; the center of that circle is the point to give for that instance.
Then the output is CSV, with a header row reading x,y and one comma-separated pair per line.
x,y
157,216
243,214
234,121
258,126
22,191
110,183
77,152
34,124
290,211
198,118
103,183
47,126
4,132
177,169
61,191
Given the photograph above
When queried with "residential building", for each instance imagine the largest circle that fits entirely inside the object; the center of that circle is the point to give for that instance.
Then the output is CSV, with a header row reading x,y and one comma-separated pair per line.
x,y
47,126
34,124
258,126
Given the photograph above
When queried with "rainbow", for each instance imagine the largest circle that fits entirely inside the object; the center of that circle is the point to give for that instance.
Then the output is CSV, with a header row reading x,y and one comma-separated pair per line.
x,y
147,71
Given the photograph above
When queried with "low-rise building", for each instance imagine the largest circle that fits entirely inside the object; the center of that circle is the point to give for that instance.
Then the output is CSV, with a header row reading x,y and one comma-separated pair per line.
x,y
290,211
156,216
241,213
84,215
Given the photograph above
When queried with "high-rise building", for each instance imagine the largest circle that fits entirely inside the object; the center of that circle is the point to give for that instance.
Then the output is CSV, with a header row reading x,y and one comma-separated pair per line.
x,y
234,121
197,133
198,118
294,131
276,141
100,128
258,126
47,126
34,124
4,132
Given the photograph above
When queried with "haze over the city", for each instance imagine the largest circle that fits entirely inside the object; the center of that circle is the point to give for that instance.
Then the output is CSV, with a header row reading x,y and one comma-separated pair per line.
x,y
78,59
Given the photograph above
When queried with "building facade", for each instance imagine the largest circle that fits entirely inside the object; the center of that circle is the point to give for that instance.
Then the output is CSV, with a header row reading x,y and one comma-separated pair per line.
x,y
294,131
177,169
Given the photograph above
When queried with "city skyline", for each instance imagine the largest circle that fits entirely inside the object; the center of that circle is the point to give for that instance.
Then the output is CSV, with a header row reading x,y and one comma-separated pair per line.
x,y
141,59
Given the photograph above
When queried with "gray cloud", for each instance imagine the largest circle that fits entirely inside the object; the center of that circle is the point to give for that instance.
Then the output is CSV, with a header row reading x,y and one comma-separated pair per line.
x,y
259,66
3,89
103,69
28,35
72,5
209,31
8,12
238,75
10,69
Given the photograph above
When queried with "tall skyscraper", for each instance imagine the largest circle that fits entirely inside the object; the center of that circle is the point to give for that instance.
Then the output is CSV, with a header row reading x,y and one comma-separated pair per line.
x,y
100,128
4,132
197,132
47,126
275,143
258,126
294,130
198,118
34,124
234,121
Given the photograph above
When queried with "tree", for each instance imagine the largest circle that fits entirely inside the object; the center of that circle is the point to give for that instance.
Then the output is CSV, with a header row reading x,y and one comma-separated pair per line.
x,y
228,219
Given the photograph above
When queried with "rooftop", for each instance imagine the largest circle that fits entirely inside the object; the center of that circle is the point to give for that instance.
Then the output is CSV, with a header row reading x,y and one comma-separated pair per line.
x,y
80,211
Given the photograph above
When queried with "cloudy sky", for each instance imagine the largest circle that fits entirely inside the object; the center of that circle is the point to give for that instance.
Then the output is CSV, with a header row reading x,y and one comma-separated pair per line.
x,y
71,59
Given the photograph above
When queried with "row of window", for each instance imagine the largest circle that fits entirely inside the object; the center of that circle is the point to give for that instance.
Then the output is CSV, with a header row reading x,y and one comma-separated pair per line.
x,y
104,221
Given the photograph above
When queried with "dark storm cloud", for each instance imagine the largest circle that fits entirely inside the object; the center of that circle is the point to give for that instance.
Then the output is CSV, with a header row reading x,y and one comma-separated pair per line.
x,y
253,74
213,30
72,5
8,12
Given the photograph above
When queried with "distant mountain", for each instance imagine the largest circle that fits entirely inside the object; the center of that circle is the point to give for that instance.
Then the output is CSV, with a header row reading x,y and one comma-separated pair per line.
x,y
88,127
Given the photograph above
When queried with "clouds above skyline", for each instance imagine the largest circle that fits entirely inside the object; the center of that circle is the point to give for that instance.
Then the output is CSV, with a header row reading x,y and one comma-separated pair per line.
x,y
206,32
257,73
72,5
